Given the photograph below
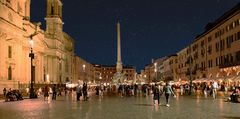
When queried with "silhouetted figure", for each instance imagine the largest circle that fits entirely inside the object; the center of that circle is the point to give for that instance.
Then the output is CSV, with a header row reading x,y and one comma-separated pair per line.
x,y
4,92
85,93
54,90
46,92
79,92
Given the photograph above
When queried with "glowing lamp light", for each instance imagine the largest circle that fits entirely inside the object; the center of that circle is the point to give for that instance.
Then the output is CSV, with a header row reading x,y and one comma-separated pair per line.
x,y
47,76
31,43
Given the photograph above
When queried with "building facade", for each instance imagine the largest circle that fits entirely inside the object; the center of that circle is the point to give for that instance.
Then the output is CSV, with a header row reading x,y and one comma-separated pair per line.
x,y
105,73
170,69
153,72
53,49
214,54
83,71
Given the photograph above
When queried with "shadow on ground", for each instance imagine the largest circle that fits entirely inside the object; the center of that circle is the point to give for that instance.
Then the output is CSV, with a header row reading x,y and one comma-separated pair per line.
x,y
143,104
230,117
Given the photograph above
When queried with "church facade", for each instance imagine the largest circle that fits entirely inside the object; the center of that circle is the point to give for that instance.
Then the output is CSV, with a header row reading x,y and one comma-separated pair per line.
x,y
53,48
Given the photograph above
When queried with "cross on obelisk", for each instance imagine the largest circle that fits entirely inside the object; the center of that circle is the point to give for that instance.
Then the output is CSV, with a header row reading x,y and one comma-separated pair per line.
x,y
119,62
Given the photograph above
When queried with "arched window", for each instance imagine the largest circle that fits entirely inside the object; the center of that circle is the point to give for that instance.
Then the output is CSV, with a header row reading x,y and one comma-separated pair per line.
x,y
9,73
52,9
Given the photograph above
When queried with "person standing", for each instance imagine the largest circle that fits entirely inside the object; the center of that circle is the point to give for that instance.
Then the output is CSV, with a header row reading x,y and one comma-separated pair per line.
x,y
59,91
187,88
181,89
226,89
79,92
85,93
120,90
168,91
65,91
4,91
101,90
54,92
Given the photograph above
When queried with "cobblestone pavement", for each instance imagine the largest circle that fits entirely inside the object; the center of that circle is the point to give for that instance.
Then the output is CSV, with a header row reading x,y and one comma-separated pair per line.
x,y
114,107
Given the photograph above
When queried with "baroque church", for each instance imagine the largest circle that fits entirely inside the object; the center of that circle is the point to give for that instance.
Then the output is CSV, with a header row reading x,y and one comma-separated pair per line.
x,y
53,48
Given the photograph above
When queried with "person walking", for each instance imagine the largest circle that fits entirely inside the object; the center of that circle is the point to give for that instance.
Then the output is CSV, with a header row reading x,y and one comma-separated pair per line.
x,y
85,93
214,89
157,92
168,91
205,89
79,92
46,92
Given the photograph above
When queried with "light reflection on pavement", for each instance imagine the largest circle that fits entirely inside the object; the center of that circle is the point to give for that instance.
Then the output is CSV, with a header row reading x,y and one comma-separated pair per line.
x,y
113,107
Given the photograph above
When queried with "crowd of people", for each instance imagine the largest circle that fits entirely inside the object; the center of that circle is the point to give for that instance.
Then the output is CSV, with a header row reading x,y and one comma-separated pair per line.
x,y
12,95
157,90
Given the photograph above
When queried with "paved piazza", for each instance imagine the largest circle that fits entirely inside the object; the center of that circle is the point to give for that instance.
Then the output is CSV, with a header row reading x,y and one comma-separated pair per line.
x,y
113,107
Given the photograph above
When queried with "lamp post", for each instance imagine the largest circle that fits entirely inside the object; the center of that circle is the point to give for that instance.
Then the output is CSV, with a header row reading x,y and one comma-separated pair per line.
x,y
100,78
190,71
48,81
155,70
84,73
31,55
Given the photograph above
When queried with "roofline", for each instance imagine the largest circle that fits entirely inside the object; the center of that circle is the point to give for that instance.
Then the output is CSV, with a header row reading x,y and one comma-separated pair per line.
x,y
227,15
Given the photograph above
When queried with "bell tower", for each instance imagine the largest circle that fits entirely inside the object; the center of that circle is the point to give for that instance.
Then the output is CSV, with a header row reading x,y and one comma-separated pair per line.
x,y
54,23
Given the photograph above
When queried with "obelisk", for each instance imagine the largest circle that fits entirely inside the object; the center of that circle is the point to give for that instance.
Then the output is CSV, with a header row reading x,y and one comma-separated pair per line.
x,y
119,62
119,76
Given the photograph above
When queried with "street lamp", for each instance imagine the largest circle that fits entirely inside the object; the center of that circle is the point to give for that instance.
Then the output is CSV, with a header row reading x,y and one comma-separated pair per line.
x,y
31,55
155,70
100,77
190,71
84,67
47,76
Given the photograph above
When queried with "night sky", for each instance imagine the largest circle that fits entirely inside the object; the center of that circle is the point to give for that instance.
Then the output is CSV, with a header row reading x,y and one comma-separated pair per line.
x,y
149,28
